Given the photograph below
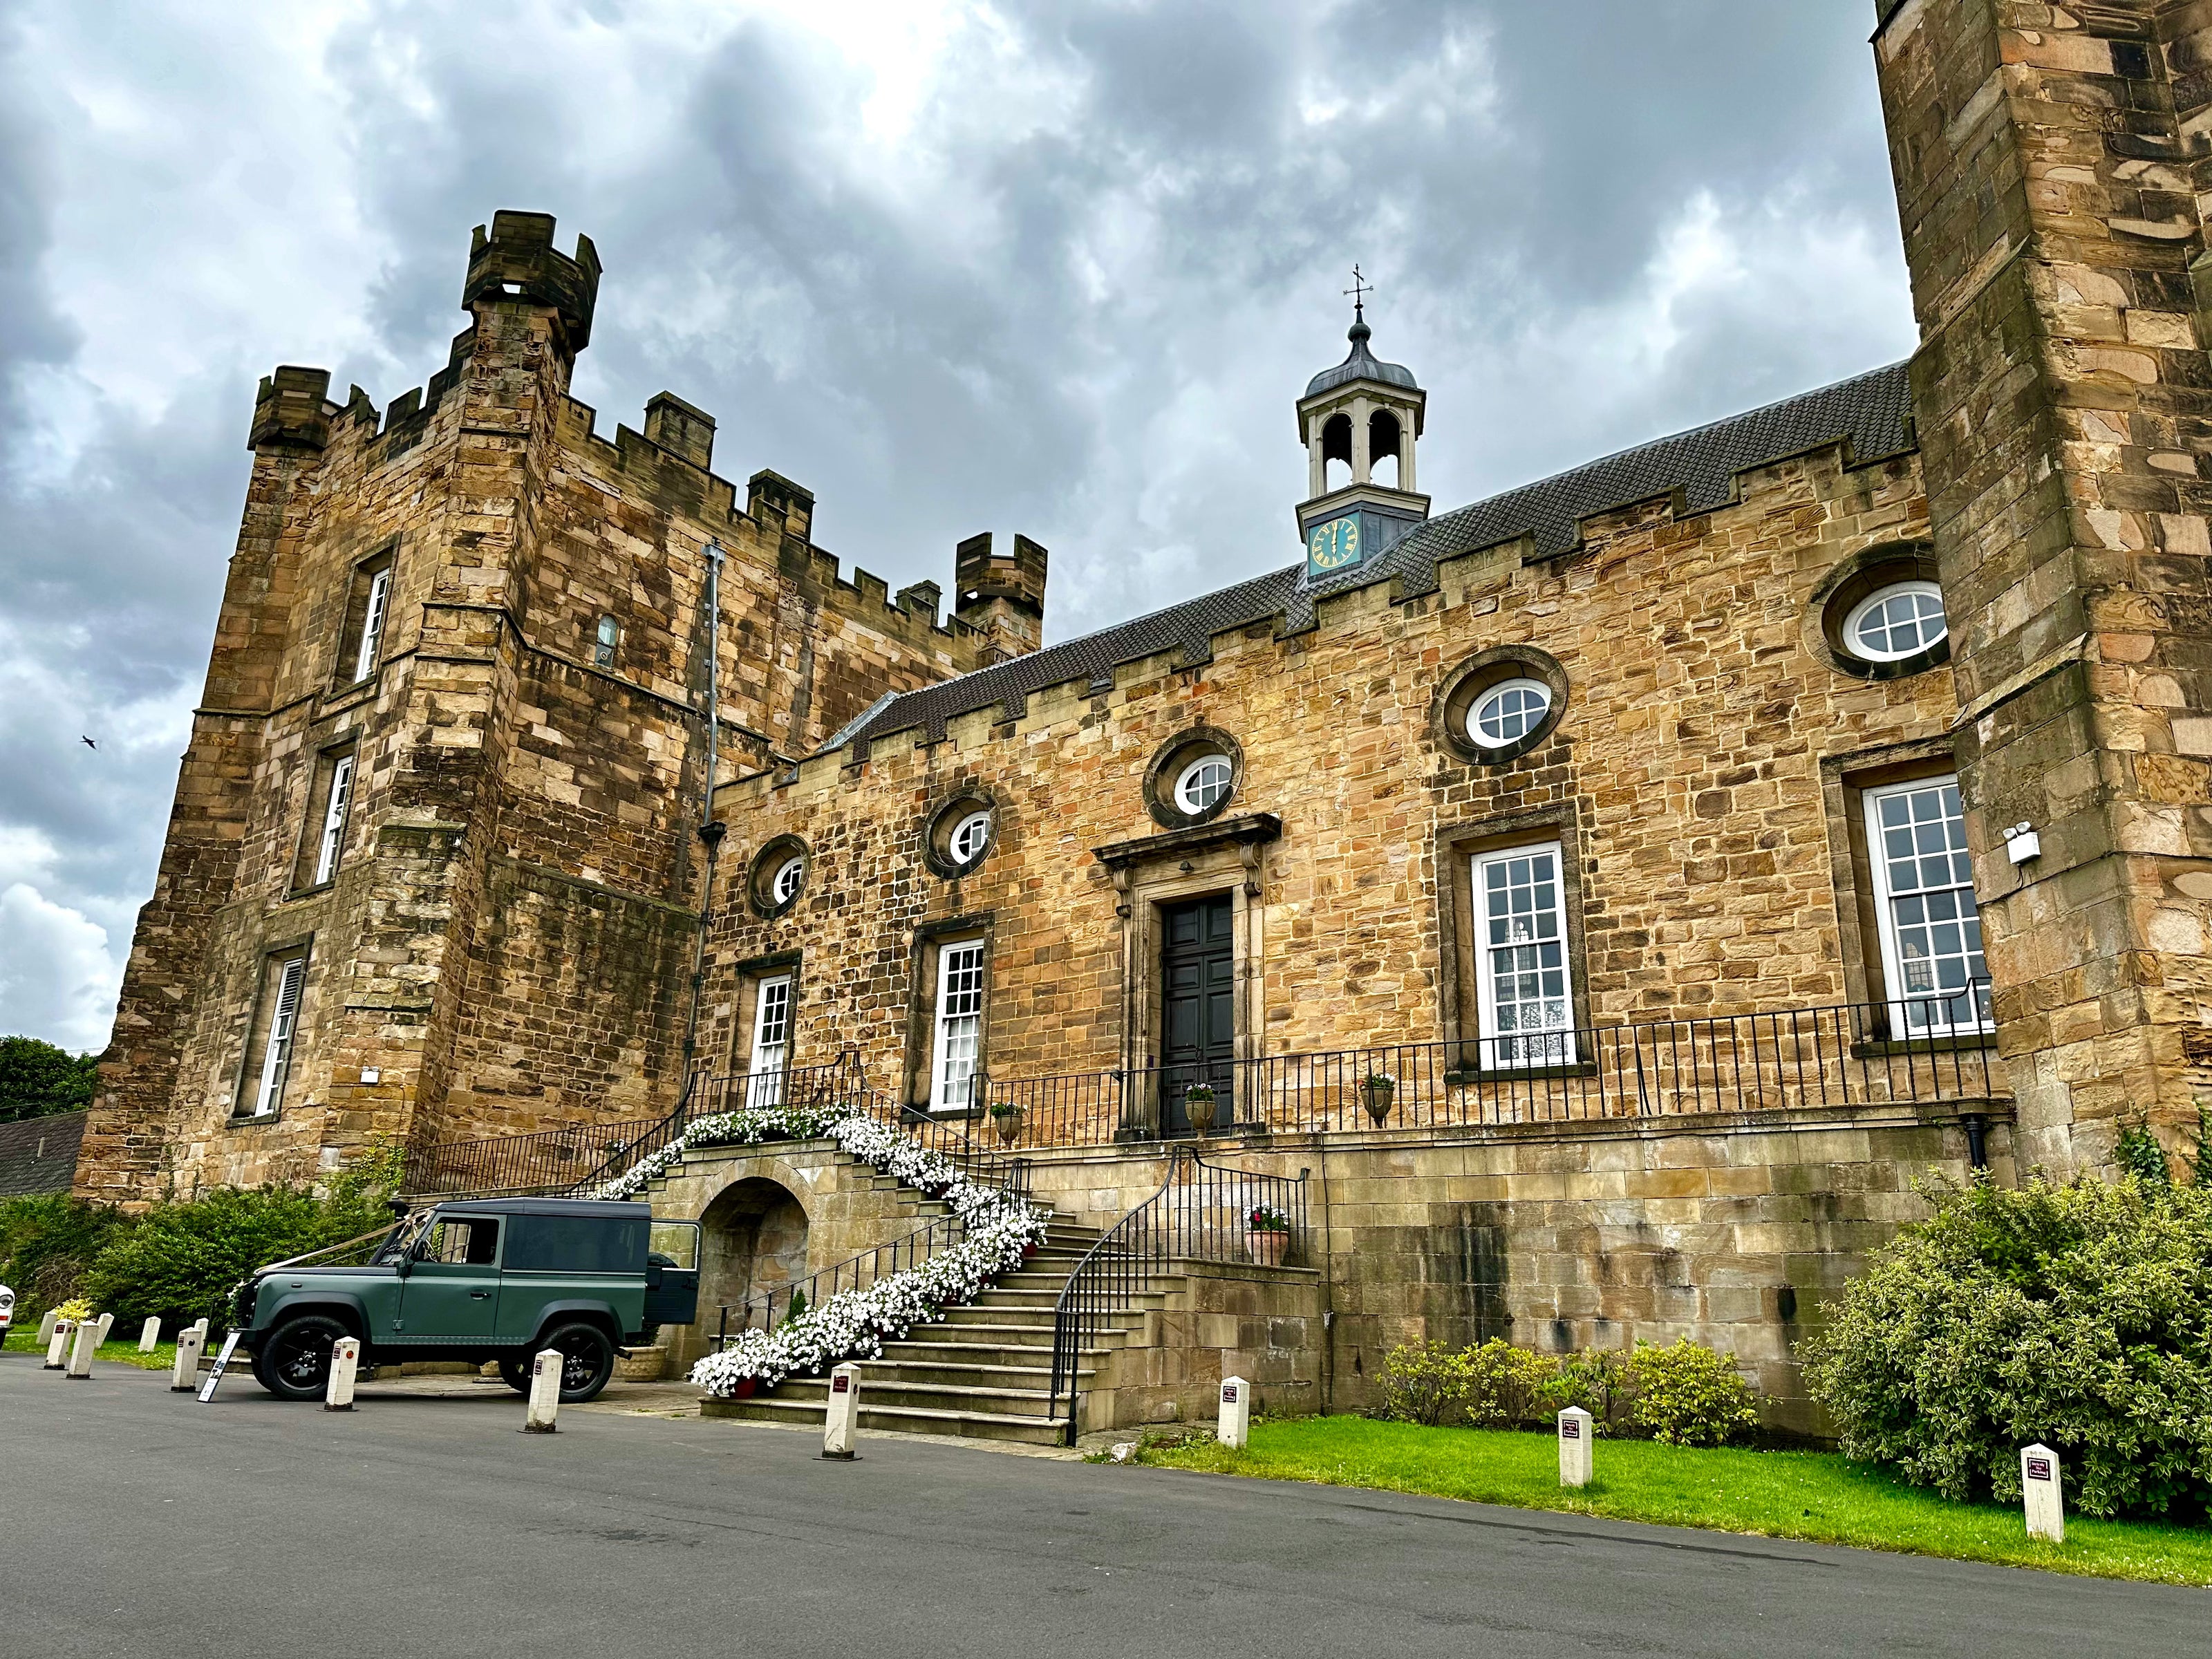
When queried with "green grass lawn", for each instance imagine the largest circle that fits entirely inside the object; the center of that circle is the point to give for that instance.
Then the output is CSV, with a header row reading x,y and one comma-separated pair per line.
x,y
1814,1495
25,1338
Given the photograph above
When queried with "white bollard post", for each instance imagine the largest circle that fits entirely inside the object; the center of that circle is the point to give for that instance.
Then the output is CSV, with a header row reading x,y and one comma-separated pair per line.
x,y
201,1326
1234,1427
1575,1453
2040,1495
544,1392
57,1344
149,1333
46,1327
840,1422
81,1347
185,1376
345,1360
106,1324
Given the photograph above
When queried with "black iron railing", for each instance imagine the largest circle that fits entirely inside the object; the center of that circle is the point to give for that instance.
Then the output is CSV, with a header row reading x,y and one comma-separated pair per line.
x,y
1919,1050
764,1310
1203,1212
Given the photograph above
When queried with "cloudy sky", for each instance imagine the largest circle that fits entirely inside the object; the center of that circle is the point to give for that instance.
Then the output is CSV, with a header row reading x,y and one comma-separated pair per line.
x,y
1058,267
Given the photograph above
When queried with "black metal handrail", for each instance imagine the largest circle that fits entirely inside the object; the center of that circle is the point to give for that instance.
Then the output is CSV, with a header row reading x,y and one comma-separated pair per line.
x,y
1924,1049
1203,1212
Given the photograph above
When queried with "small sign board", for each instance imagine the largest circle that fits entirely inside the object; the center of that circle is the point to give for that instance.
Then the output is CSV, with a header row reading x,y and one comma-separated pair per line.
x,y
1228,1393
222,1364
840,1385
1570,1429
2038,1468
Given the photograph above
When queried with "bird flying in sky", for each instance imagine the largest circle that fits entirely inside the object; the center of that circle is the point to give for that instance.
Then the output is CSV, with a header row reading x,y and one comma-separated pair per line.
x,y
89,744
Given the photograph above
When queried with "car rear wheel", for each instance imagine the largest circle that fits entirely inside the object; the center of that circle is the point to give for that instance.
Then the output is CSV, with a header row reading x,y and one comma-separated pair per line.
x,y
588,1360
515,1373
294,1360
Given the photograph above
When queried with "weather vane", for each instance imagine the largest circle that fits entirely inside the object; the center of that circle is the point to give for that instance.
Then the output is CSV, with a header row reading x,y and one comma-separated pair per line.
x,y
1359,290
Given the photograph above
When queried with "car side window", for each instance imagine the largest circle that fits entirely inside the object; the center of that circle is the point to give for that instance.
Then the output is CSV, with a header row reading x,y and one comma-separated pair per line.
x,y
462,1240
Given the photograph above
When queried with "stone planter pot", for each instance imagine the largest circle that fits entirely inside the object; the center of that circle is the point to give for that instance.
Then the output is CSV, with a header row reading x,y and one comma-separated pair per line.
x,y
1267,1248
1009,1126
1200,1110
641,1365
1378,1097
746,1388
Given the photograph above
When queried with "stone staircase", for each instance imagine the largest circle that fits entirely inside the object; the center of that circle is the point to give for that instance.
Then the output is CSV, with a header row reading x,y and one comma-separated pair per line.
x,y
983,1369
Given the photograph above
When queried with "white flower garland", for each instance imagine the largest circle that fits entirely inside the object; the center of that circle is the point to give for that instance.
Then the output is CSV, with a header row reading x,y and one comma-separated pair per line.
x,y
855,1324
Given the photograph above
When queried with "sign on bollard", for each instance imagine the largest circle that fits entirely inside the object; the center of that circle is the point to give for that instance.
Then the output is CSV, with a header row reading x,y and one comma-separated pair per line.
x,y
1235,1426
840,1422
1576,1456
57,1344
544,1392
185,1375
2040,1494
149,1333
82,1346
345,1360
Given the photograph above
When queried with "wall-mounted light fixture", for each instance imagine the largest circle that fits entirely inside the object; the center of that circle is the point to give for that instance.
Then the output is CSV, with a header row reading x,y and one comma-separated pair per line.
x,y
2021,843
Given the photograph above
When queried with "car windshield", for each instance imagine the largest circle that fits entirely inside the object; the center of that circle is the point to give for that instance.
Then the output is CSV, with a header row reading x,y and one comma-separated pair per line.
x,y
402,1239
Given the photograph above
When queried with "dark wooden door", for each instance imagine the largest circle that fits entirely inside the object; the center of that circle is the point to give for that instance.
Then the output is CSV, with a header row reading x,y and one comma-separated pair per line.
x,y
1198,1017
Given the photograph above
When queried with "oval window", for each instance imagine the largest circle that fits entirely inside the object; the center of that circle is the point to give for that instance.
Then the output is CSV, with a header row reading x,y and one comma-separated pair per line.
x,y
1509,712
970,837
1204,783
1897,622
783,885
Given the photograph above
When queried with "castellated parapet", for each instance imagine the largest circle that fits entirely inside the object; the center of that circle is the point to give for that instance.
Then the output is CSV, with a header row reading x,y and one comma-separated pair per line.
x,y
485,620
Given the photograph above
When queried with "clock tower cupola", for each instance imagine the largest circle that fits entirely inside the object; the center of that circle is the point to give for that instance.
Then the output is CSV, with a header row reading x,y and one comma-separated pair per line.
x,y
1360,422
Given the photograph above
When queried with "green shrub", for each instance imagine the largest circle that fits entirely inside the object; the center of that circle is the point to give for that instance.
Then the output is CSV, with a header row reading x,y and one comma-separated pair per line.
x,y
1504,1381
37,1079
1685,1395
2140,1155
2079,1315
47,1245
1425,1382
1590,1379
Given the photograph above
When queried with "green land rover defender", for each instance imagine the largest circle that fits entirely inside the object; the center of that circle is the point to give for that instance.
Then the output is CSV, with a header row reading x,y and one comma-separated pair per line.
x,y
485,1280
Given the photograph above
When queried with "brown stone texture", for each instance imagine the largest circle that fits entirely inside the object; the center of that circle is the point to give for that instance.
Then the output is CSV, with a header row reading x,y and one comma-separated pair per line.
x,y
507,938
1685,775
2052,162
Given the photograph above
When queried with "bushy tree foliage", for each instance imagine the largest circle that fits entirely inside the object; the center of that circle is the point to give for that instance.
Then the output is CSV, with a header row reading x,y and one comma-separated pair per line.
x,y
2078,1314
37,1079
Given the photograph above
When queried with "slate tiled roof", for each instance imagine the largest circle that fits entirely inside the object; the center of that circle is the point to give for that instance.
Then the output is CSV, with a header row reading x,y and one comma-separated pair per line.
x,y
1871,412
39,1154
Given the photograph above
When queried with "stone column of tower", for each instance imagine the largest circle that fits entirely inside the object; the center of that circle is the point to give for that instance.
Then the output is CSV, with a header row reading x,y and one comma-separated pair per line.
x,y
1359,412
2050,164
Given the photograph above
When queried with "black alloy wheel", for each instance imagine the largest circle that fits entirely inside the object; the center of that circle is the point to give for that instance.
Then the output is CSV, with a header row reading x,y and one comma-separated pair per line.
x,y
515,1373
294,1360
588,1360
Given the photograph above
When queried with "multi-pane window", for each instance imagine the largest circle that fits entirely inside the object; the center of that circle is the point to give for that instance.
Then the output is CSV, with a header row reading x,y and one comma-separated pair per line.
x,y
1508,713
783,886
1893,623
959,1024
365,609
1521,926
1201,784
771,1050
970,837
1931,933
330,841
284,980
604,643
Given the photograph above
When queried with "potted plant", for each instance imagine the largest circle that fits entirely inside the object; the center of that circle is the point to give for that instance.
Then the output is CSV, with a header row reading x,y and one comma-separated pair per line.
x,y
1267,1234
1007,1117
1378,1089
1198,1101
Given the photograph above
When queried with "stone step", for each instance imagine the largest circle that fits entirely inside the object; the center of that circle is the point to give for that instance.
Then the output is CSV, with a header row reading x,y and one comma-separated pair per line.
x,y
902,1419
962,1399
1018,1369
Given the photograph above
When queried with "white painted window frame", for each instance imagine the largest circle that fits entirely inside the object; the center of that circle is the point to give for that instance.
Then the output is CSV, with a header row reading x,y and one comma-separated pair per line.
x,y
277,1043
372,624
770,1057
957,1027
1903,1007
330,842
1502,1051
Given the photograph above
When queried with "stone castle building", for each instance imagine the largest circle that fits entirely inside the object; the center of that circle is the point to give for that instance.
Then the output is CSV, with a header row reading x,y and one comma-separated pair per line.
x,y
1702,842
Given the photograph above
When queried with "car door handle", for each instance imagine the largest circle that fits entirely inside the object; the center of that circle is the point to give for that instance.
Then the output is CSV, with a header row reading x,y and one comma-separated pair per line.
x,y
478,1296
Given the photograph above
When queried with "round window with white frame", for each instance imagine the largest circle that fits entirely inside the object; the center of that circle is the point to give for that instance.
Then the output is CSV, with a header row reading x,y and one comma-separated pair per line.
x,y
783,886
1508,712
969,836
1893,623
1204,783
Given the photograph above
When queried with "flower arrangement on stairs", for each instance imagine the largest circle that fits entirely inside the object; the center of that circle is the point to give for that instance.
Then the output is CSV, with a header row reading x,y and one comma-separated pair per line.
x,y
999,1230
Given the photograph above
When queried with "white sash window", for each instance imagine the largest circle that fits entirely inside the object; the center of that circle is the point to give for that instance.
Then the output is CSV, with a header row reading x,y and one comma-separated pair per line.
x,y
372,624
332,840
959,1024
277,1043
1931,932
1521,959
771,1050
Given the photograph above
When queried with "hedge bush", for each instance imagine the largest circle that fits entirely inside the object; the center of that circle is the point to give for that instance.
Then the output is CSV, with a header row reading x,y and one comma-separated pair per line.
x,y
1685,1395
2078,1314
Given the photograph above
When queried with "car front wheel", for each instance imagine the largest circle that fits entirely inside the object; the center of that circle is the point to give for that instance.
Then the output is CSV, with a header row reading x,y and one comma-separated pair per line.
x,y
588,1360
294,1360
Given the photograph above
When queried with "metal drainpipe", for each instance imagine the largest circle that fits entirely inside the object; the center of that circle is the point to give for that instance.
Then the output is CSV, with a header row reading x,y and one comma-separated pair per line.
x,y
711,829
1976,1126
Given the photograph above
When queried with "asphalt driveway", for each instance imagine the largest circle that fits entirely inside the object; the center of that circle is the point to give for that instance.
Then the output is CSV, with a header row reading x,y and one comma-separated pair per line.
x,y
140,1522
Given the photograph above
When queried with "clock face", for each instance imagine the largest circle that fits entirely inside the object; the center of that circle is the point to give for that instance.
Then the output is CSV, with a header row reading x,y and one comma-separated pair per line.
x,y
1333,545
